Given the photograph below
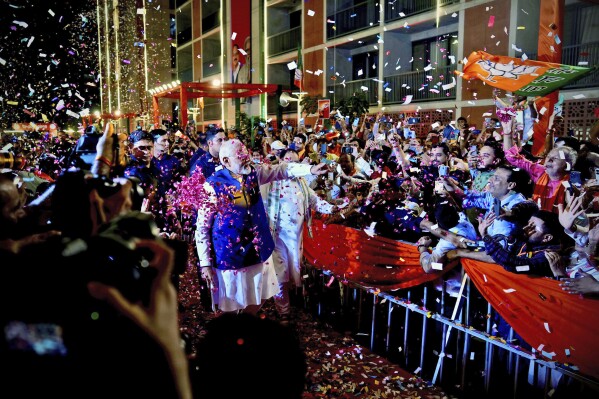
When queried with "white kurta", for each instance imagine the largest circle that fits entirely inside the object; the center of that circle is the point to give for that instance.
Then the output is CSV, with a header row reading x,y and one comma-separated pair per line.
x,y
286,206
249,285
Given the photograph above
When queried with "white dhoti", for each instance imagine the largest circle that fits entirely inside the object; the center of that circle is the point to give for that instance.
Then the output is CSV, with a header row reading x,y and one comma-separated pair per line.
x,y
250,285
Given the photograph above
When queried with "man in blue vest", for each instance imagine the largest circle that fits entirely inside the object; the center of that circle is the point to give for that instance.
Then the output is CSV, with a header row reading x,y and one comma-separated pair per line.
x,y
208,162
233,238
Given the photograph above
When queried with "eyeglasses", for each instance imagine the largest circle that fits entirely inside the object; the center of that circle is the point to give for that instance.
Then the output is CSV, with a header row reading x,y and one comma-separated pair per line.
x,y
145,147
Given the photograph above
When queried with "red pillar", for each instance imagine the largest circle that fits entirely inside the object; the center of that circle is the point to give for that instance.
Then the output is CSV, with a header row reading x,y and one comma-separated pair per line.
x,y
551,22
183,106
156,111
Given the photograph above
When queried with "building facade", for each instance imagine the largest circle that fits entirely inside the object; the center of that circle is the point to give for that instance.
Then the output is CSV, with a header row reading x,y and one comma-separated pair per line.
x,y
401,54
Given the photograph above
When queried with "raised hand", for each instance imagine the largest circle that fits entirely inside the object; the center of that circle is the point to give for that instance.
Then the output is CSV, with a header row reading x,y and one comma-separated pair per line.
x,y
555,262
568,215
484,223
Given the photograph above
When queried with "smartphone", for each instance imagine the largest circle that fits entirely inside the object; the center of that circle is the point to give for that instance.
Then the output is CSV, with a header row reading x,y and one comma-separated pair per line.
x,y
520,117
443,170
473,150
597,174
323,149
347,150
575,178
439,187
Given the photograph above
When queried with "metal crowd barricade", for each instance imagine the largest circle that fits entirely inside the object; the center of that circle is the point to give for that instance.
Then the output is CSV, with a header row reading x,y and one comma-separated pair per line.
x,y
456,351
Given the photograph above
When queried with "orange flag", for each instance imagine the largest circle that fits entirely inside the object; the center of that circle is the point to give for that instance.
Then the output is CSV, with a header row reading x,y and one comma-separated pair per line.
x,y
527,78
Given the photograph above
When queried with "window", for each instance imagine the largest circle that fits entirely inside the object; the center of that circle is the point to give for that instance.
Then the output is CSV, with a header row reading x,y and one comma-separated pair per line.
x,y
434,51
367,63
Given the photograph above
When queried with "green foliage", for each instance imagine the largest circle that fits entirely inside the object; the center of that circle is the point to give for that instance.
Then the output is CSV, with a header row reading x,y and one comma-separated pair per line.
x,y
353,106
309,104
247,127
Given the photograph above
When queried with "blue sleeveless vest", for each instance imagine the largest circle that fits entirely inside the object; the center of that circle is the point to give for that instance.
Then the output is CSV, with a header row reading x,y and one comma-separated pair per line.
x,y
241,235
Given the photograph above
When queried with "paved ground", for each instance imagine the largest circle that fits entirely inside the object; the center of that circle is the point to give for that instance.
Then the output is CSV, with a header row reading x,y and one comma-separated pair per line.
x,y
338,367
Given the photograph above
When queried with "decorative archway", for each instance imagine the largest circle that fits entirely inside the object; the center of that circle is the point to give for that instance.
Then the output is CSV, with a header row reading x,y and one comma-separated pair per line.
x,y
186,90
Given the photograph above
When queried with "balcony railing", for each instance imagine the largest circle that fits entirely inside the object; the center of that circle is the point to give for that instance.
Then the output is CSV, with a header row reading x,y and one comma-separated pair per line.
x,y
353,19
347,89
284,42
211,67
422,85
393,9
580,53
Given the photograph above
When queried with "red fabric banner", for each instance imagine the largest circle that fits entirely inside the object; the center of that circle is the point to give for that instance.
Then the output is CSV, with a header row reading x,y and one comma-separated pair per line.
x,y
562,326
373,261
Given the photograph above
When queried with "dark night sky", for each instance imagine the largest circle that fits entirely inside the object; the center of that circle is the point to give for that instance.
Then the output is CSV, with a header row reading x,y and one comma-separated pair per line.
x,y
48,60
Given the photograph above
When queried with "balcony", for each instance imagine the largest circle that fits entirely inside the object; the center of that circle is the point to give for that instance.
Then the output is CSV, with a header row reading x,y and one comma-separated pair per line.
x,y
580,53
353,19
422,85
347,89
284,42
411,7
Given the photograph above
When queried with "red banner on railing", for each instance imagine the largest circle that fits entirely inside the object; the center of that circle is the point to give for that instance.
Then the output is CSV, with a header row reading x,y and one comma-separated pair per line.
x,y
562,326
373,261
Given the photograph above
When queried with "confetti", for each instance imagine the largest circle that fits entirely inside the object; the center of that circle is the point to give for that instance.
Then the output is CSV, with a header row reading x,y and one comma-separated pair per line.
x,y
509,290
408,99
311,13
491,21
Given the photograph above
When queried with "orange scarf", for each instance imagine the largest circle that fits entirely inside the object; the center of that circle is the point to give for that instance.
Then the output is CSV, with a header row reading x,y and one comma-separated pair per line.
x,y
544,198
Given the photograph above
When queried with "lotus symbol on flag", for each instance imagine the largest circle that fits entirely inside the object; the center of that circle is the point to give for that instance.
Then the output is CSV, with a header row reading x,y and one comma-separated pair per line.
x,y
508,71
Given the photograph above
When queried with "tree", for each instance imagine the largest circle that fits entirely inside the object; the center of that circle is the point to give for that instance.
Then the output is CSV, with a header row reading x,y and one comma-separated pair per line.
x,y
355,106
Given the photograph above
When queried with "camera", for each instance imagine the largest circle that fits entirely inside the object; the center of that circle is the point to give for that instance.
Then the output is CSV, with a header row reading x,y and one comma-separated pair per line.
x,y
9,161
84,153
